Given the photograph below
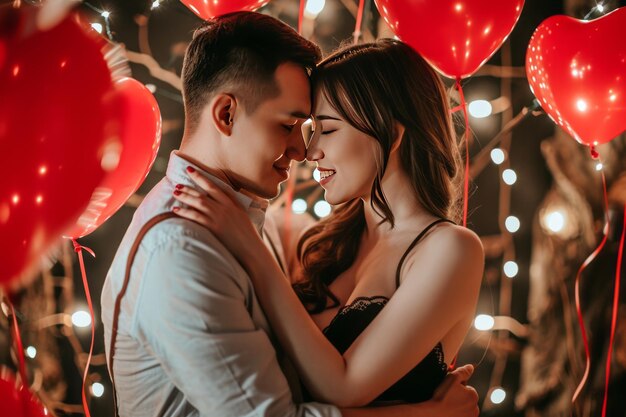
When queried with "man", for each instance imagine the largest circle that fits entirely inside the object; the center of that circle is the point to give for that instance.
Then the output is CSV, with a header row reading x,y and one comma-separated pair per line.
x,y
189,336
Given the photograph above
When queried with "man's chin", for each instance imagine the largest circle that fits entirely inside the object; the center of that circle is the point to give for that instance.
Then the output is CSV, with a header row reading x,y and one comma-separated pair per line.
x,y
267,193
271,194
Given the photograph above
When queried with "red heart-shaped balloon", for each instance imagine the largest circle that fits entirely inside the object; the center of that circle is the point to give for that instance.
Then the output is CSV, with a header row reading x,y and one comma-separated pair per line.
x,y
136,112
577,71
53,129
16,400
455,36
208,9
3,53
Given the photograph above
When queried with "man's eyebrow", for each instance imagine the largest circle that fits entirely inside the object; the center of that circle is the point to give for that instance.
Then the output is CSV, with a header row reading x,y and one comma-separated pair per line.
x,y
326,117
300,115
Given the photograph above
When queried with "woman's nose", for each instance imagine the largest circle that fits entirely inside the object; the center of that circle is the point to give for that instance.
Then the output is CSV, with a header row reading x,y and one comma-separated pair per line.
x,y
314,153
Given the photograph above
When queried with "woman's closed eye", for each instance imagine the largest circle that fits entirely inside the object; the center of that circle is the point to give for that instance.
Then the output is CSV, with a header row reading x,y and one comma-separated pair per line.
x,y
328,132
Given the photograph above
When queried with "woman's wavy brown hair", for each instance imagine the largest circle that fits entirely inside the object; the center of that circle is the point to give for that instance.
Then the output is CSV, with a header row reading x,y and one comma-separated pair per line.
x,y
373,86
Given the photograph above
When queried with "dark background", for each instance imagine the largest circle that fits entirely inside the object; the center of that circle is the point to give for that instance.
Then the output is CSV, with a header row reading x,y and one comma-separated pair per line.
x,y
169,29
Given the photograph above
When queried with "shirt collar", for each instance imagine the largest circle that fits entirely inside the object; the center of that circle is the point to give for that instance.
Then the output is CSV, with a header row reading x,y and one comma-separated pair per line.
x,y
254,206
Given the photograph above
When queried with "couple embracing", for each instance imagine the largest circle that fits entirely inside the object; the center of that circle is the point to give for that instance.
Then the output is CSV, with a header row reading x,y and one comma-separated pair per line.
x,y
209,311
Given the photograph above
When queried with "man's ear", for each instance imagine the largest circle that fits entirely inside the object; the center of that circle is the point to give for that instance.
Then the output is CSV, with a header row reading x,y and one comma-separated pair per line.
x,y
399,137
223,107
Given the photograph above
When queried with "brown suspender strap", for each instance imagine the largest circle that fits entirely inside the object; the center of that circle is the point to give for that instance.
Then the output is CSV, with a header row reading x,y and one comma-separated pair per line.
x,y
118,301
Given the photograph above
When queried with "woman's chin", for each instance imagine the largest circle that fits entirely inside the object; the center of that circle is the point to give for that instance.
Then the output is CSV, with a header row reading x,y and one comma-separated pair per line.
x,y
334,200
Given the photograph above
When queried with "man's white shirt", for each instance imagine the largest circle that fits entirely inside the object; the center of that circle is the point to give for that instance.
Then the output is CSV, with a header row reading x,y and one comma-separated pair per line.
x,y
192,338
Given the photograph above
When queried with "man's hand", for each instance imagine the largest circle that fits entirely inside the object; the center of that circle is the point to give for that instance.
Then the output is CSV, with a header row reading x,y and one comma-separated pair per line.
x,y
453,397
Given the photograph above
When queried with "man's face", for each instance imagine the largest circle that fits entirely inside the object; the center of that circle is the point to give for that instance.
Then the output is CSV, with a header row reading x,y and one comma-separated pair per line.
x,y
264,143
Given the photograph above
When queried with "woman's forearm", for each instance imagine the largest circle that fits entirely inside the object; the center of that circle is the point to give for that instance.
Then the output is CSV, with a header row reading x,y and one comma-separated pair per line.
x,y
320,365
424,409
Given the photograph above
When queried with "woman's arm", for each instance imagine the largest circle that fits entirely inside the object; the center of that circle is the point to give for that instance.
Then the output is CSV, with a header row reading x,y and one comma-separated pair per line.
x,y
428,304
452,398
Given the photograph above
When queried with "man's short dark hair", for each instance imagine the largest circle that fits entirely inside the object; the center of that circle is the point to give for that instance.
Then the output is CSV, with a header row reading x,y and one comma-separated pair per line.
x,y
240,52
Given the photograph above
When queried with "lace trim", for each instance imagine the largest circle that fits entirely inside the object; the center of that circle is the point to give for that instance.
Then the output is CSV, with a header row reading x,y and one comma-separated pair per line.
x,y
438,349
361,303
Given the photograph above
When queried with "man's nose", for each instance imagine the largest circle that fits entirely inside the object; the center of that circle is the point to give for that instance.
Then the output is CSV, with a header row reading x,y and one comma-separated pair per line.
x,y
296,148
313,152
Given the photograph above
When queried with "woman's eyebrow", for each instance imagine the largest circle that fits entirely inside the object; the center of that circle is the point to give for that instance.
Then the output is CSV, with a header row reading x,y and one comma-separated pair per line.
x,y
326,117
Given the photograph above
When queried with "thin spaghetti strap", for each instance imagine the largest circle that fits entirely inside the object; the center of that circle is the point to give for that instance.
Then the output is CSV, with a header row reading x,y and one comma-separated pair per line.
x,y
414,243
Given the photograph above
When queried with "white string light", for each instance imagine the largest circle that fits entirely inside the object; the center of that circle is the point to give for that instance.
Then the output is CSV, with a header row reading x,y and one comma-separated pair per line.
x,y
316,175
97,389
31,352
480,109
497,395
81,319
105,14
313,8
512,224
497,156
598,7
484,322
97,27
322,209
155,4
554,221
509,176
511,269
299,206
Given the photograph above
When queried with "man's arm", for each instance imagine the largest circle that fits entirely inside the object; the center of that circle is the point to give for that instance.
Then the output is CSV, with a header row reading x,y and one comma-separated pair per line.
x,y
192,314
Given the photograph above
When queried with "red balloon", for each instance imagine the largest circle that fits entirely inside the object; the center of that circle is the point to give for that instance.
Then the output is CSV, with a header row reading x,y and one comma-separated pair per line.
x,y
208,9
17,400
577,71
455,36
53,129
3,53
138,115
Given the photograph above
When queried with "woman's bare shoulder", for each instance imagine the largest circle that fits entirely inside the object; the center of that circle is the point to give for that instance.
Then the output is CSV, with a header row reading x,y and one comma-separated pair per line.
x,y
450,247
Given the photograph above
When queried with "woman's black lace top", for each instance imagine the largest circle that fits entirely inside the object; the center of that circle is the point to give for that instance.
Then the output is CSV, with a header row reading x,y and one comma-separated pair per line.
x,y
416,386
420,382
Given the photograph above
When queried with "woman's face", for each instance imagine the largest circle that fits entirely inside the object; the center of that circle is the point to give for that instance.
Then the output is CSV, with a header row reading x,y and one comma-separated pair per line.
x,y
345,156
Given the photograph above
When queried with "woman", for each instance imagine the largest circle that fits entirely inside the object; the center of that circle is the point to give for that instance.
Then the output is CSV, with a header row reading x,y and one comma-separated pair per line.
x,y
391,281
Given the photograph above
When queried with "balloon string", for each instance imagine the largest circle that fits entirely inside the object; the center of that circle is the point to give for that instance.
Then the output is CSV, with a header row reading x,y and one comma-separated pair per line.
x,y
618,274
467,155
19,346
463,106
579,313
359,20
79,250
301,15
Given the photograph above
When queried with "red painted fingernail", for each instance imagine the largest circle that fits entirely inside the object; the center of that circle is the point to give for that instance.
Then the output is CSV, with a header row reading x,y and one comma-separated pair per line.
x,y
175,209
176,192
179,186
190,169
